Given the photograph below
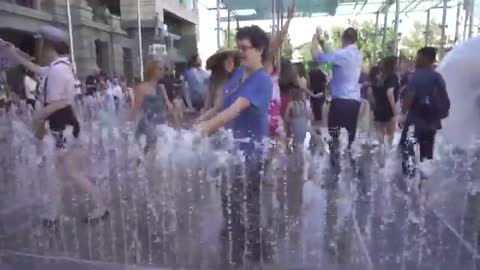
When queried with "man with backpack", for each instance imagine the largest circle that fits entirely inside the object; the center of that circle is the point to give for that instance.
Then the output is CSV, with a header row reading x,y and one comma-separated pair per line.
x,y
425,104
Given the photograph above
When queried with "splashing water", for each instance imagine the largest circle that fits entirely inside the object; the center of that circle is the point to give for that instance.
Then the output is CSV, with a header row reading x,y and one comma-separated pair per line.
x,y
167,209
460,71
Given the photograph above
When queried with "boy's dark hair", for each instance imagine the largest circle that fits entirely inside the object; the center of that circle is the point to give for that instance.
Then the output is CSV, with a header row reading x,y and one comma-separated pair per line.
x,y
372,74
256,36
428,53
287,79
389,63
192,62
350,34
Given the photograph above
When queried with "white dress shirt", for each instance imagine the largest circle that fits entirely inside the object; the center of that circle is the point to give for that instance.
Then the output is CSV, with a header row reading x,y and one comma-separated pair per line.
x,y
60,81
346,69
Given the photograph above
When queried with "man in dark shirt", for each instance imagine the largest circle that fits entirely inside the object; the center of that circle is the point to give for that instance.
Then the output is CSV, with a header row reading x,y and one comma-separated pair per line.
x,y
318,84
417,99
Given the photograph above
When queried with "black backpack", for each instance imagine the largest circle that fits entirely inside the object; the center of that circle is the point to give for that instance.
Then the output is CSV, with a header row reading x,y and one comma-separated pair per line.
x,y
436,104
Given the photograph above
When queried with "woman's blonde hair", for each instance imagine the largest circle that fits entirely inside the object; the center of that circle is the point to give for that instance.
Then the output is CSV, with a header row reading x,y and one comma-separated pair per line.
x,y
150,69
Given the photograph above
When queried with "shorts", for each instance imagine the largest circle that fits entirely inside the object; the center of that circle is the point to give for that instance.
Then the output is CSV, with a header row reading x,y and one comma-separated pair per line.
x,y
31,102
383,115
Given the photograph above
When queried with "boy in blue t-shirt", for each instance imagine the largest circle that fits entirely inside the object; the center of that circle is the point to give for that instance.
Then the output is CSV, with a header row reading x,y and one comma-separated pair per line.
x,y
253,122
246,102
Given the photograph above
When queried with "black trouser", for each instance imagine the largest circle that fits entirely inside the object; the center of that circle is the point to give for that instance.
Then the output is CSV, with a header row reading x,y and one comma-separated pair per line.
x,y
116,101
31,102
343,113
426,143
234,195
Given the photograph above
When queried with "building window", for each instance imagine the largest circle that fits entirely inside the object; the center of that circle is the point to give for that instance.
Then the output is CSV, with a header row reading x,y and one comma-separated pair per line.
x,y
101,51
189,4
25,3
128,64
46,5
114,7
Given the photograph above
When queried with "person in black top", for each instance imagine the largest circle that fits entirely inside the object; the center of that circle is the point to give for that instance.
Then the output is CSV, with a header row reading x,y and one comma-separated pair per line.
x,y
91,85
384,91
425,104
318,84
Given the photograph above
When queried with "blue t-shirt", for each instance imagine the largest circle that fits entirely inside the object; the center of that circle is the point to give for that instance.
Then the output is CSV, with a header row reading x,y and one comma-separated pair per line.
x,y
420,85
197,80
251,127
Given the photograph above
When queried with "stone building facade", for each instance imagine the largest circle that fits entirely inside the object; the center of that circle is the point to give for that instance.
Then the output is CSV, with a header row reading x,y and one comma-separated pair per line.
x,y
105,32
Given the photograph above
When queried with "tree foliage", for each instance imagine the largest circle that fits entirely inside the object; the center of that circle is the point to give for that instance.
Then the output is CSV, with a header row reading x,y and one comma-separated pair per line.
x,y
305,51
415,40
229,38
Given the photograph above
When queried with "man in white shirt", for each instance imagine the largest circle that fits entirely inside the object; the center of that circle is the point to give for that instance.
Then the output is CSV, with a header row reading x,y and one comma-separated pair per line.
x,y
58,83
345,105
345,88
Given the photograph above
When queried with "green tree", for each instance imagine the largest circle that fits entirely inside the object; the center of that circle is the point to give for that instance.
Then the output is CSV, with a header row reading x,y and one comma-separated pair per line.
x,y
305,51
227,38
415,40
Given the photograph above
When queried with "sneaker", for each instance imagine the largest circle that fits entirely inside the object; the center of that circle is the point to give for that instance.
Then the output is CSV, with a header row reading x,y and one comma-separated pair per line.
x,y
98,214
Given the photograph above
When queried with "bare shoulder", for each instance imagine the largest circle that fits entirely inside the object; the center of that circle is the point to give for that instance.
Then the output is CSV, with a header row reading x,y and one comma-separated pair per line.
x,y
140,88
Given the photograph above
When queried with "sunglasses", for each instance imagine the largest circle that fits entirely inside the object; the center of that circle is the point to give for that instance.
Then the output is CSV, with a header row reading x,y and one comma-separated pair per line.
x,y
245,48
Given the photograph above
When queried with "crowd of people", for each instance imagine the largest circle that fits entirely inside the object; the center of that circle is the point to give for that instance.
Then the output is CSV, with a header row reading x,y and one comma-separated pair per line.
x,y
257,96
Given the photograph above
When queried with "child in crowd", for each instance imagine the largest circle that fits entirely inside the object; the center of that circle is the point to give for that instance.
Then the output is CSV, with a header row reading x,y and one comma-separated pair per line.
x,y
296,117
178,105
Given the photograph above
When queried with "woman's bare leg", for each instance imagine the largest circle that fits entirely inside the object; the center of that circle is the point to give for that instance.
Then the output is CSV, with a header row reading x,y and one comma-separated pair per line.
x,y
390,128
55,195
380,132
70,163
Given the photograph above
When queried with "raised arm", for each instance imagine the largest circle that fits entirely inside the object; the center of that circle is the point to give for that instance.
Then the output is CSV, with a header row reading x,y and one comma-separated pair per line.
x,y
321,50
279,38
23,58
316,48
